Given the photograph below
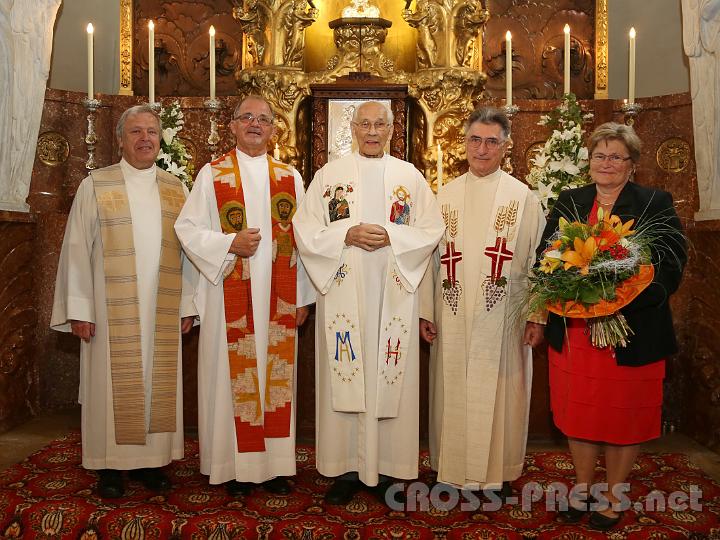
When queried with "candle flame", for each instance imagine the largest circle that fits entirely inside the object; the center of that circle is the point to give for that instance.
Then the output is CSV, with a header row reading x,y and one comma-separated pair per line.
x,y
566,29
508,35
90,28
212,30
632,32
151,25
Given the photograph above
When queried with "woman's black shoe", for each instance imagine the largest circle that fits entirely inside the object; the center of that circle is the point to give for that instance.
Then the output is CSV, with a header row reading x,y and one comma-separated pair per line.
x,y
601,522
572,514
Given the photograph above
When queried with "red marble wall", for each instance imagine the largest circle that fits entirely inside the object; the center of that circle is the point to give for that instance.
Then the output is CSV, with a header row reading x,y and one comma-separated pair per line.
x,y
48,372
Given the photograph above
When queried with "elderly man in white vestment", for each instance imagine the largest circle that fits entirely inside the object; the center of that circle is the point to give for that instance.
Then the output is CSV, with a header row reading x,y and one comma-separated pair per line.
x,y
253,293
473,301
122,288
366,254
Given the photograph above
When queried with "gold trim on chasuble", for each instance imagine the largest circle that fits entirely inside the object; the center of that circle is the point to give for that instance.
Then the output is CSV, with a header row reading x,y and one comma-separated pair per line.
x,y
121,298
252,427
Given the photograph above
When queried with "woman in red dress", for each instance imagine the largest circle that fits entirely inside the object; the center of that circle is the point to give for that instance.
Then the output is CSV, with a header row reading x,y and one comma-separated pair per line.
x,y
610,400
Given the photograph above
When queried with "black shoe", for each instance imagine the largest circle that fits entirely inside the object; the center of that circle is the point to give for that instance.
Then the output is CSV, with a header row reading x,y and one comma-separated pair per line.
x,y
397,496
277,486
575,514
110,484
235,488
152,478
601,522
342,491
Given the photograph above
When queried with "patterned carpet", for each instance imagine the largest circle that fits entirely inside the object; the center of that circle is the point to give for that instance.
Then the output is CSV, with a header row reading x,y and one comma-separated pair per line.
x,y
50,496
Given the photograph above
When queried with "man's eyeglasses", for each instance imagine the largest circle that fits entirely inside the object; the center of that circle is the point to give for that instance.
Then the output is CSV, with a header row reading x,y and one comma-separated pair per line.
x,y
262,119
490,142
612,158
365,126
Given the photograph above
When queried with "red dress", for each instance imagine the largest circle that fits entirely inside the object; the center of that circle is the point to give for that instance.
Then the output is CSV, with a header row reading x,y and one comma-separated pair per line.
x,y
593,398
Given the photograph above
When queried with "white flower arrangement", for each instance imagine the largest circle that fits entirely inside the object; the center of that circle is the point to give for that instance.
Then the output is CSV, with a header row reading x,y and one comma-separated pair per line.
x,y
174,156
562,163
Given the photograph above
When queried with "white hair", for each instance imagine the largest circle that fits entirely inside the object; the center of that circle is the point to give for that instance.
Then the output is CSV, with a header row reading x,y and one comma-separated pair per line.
x,y
388,113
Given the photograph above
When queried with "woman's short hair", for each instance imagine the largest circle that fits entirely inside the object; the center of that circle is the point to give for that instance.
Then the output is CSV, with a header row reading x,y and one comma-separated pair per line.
x,y
612,131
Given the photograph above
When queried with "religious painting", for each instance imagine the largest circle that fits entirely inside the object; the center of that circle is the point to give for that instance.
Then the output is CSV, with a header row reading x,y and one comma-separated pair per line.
x,y
400,208
340,115
232,217
338,206
282,209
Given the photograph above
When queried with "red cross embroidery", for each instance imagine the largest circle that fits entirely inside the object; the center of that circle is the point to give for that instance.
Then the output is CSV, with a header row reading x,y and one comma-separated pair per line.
x,y
499,254
450,259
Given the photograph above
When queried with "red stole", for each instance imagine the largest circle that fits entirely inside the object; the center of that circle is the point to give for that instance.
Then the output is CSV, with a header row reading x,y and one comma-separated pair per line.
x,y
252,427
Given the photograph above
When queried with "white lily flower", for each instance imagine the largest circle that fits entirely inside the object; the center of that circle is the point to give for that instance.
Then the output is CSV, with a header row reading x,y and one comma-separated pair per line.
x,y
168,134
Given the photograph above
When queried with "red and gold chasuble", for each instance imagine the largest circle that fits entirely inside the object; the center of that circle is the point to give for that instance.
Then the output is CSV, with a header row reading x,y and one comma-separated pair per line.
x,y
252,427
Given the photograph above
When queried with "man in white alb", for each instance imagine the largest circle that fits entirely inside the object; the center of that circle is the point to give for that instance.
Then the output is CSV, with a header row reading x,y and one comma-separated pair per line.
x,y
365,231
252,295
122,289
473,300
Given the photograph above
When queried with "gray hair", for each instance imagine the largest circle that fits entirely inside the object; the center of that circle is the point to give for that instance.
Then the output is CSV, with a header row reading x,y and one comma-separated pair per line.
x,y
255,97
489,116
612,131
388,113
132,111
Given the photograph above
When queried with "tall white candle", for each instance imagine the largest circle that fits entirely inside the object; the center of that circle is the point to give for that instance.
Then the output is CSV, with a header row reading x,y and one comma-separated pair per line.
x,y
439,166
631,74
276,152
508,68
212,62
151,62
566,71
90,60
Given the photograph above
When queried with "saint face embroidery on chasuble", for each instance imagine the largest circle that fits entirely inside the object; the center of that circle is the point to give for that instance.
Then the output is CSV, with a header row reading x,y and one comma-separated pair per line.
x,y
401,206
338,205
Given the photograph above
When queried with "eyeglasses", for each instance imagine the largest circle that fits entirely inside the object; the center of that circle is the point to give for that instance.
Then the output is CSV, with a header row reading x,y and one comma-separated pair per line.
x,y
262,119
365,126
612,158
490,142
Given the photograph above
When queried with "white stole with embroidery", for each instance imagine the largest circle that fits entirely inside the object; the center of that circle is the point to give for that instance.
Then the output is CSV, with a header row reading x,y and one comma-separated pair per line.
x,y
471,376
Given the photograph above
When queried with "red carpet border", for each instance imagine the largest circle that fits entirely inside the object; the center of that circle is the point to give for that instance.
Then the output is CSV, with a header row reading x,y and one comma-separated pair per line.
x,y
50,495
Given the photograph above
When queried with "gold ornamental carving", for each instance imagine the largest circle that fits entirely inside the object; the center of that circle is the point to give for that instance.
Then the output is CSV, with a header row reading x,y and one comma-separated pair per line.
x,y
274,30
531,153
449,34
601,49
53,148
673,155
359,43
126,38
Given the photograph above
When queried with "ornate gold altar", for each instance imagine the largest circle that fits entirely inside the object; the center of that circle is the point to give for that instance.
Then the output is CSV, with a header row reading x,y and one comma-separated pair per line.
x,y
445,74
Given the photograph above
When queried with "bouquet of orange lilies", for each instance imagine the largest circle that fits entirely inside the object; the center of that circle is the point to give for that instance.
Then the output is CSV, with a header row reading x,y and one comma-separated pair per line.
x,y
591,272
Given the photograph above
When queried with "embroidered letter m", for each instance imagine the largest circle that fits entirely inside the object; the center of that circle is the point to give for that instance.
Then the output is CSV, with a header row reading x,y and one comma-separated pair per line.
x,y
343,347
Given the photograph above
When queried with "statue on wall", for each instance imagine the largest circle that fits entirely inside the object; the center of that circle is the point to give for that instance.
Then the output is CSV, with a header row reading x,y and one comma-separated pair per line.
x,y
360,9
470,16
296,18
429,21
28,27
254,22
701,39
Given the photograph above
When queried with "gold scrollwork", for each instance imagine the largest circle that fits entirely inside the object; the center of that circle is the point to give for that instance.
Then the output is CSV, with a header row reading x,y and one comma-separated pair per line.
x,y
126,38
53,148
601,49
531,152
673,155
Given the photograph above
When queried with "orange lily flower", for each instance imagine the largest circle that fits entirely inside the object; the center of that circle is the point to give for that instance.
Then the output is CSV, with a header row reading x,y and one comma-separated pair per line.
x,y
581,256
